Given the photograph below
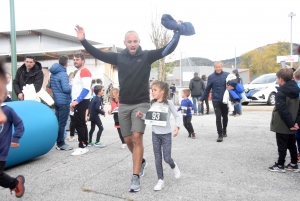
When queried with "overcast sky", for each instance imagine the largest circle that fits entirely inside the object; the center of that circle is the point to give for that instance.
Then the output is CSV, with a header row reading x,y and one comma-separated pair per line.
x,y
220,25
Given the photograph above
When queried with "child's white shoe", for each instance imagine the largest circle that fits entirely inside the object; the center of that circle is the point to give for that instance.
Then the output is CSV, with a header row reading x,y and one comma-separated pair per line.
x,y
159,186
176,171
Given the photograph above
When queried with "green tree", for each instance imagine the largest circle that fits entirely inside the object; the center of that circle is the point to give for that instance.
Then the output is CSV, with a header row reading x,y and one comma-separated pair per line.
x,y
167,69
263,60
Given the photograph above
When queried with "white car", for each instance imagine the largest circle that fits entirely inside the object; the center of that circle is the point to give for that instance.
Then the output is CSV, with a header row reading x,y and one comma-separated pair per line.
x,y
262,89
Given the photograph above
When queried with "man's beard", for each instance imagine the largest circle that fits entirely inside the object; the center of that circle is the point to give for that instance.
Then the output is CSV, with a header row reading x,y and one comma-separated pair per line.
x,y
78,66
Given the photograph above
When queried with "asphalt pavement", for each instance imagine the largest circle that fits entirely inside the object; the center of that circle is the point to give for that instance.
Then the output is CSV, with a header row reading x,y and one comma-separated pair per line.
x,y
235,169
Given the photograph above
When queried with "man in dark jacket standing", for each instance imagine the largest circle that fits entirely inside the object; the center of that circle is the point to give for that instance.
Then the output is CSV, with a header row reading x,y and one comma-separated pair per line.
x,y
197,87
29,73
217,83
134,67
61,89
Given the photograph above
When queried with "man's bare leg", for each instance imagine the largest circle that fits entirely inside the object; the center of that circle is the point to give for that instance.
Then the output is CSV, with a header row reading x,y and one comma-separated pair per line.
x,y
128,140
135,145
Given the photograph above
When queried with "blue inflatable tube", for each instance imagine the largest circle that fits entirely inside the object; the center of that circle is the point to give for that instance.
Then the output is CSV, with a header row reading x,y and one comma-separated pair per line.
x,y
40,134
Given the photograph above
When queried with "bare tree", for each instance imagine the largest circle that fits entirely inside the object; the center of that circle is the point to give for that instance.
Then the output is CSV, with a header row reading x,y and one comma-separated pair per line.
x,y
160,37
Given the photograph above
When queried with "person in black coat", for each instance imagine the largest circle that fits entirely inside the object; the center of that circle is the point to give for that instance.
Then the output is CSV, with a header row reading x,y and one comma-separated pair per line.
x,y
29,73
197,87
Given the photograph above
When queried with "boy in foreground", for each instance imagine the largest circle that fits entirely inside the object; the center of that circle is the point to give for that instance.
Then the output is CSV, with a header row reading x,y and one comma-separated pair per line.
x,y
285,120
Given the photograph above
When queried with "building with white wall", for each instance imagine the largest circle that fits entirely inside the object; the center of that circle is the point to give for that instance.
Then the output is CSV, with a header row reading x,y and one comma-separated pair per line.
x,y
47,45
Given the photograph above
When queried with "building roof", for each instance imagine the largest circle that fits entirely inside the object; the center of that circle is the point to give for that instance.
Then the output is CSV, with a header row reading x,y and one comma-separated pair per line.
x,y
48,54
49,33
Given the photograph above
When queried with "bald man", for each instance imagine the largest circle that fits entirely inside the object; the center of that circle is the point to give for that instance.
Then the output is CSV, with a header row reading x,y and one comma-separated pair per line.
x,y
134,67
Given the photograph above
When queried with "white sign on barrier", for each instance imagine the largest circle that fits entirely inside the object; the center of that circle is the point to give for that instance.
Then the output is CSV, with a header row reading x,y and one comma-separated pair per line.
x,y
288,58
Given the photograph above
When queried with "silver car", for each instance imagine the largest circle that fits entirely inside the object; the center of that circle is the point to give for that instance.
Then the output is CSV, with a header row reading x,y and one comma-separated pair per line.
x,y
262,89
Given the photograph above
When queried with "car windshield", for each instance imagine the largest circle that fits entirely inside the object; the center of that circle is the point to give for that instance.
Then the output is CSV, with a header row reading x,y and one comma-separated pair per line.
x,y
264,79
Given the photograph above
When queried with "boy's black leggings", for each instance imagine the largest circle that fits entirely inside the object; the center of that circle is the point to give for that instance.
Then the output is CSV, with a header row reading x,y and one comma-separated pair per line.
x,y
95,122
188,124
72,126
120,136
6,181
286,142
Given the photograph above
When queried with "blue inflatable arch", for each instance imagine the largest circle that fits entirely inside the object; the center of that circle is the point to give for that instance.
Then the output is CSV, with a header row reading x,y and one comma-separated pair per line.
x,y
40,134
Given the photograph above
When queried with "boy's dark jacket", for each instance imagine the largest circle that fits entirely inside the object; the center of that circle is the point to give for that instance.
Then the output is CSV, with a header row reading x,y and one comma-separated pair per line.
x,y
286,111
6,136
95,108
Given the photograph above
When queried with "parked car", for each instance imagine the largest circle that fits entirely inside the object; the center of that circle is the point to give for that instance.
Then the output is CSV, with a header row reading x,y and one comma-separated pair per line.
x,y
262,89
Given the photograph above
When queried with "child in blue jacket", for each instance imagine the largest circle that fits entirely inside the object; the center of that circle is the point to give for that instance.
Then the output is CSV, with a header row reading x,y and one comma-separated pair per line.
x,y
9,118
96,108
185,108
7,140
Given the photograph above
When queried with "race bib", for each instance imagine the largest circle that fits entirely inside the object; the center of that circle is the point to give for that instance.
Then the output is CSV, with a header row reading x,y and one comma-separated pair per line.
x,y
116,110
157,116
184,110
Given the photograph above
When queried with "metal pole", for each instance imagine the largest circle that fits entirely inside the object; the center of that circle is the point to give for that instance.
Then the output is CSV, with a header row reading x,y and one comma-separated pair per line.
x,y
13,45
234,57
291,39
180,83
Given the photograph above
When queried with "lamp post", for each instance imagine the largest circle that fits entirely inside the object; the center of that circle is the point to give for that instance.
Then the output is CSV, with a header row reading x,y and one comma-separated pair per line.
x,y
291,15
13,45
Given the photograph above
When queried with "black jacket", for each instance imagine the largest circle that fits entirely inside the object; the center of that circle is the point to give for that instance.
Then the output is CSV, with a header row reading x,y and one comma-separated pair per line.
x,y
35,77
95,108
197,86
133,70
286,111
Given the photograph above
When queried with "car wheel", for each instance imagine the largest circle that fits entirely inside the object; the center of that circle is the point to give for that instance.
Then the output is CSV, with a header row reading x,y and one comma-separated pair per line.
x,y
245,103
271,99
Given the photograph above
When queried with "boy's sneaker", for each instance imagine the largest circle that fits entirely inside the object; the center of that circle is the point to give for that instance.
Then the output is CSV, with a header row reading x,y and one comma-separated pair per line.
x,y
299,158
99,144
143,166
90,144
160,184
65,147
176,171
123,146
193,135
190,135
277,168
135,184
20,188
80,151
292,167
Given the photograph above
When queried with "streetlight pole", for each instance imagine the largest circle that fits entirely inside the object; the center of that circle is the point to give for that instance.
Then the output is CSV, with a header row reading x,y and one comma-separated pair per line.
x,y
13,57
234,57
291,15
180,83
